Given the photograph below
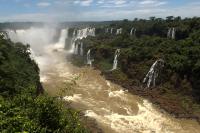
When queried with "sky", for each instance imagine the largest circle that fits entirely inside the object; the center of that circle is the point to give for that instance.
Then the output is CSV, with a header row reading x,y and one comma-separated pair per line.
x,y
94,10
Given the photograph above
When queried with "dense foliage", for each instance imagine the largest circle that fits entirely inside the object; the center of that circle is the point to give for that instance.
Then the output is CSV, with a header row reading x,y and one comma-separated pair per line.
x,y
22,107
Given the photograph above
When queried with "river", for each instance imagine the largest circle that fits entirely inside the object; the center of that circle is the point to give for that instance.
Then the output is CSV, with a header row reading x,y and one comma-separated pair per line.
x,y
114,108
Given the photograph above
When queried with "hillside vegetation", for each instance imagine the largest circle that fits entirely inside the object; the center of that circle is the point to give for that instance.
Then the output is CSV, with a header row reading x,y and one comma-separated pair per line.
x,y
24,107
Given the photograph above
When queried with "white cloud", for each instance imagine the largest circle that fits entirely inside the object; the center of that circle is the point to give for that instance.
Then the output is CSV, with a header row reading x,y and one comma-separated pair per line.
x,y
106,10
83,2
113,3
43,4
152,3
145,2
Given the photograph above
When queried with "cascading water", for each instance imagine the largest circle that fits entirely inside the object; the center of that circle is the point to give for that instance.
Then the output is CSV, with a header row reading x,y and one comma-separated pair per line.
x,y
151,76
111,31
74,33
133,31
119,31
89,60
81,49
79,35
115,62
61,42
76,48
41,45
171,33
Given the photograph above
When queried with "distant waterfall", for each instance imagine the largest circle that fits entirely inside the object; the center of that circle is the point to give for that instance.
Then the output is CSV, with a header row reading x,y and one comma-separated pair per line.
x,y
153,73
81,49
111,30
74,33
62,39
80,34
119,31
133,31
89,60
171,33
115,61
76,48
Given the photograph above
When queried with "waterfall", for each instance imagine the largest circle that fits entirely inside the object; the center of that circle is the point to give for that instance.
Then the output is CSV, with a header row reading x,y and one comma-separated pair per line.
x,y
119,31
111,30
62,39
115,62
171,33
153,73
79,35
133,31
89,60
74,33
76,48
81,49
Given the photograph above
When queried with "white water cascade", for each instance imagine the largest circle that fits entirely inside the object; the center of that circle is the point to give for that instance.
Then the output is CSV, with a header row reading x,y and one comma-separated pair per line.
x,y
61,43
111,31
80,34
133,31
81,49
89,60
119,31
115,62
41,44
76,48
171,33
153,73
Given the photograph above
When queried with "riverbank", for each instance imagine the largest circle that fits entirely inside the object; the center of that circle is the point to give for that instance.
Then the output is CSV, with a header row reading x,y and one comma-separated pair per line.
x,y
174,103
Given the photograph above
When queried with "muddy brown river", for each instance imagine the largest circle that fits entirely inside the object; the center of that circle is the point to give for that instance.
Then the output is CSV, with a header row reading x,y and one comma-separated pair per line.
x,y
113,107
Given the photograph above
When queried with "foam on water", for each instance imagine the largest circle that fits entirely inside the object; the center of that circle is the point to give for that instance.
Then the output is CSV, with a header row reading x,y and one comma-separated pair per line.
x,y
74,98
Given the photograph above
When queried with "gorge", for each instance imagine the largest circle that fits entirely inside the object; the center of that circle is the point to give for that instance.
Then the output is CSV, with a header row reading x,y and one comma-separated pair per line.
x,y
114,108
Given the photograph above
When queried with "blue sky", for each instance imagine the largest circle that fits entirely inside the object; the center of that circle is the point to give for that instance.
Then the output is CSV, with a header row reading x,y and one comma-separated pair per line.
x,y
94,10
